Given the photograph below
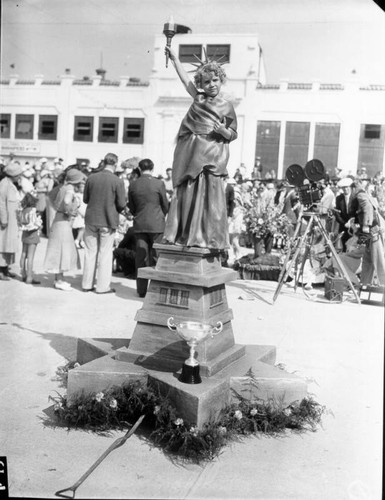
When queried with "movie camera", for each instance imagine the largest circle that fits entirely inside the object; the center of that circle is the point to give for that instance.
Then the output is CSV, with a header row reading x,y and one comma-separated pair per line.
x,y
307,181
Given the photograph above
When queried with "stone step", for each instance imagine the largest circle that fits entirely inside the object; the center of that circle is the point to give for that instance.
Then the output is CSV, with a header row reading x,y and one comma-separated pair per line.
x,y
101,374
270,381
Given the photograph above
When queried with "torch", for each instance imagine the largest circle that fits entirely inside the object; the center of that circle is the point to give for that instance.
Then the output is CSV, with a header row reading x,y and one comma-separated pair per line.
x,y
169,30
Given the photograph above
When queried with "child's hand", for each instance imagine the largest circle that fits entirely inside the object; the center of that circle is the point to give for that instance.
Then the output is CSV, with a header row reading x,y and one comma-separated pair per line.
x,y
220,126
170,52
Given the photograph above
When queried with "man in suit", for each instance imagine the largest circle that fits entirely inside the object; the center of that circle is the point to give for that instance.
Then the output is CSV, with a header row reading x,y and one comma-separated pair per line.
x,y
342,214
148,203
105,197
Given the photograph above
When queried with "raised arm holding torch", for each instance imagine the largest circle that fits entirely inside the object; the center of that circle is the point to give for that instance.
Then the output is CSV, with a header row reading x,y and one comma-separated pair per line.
x,y
169,30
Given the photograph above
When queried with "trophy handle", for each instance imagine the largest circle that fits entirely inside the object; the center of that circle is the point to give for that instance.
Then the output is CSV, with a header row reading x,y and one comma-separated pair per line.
x,y
171,324
217,329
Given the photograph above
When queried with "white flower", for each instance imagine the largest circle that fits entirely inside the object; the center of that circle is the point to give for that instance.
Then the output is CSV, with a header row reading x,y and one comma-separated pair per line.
x,y
260,221
253,412
99,396
194,431
178,422
113,404
287,412
238,415
222,430
156,410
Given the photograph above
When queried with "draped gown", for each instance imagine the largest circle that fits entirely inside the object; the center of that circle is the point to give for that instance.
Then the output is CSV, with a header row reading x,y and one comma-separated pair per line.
x,y
197,215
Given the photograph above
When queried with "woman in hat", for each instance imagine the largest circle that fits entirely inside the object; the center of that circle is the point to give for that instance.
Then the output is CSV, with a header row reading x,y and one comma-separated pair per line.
x,y
9,231
62,255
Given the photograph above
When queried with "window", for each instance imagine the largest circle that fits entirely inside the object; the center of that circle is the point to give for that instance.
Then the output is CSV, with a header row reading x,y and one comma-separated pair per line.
x,y
372,132
108,129
219,53
371,148
48,127
296,143
187,53
84,127
5,126
326,141
267,147
133,130
24,127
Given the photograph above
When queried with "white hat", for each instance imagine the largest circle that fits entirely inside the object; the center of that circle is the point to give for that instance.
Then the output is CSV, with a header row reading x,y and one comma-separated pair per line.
x,y
345,182
43,160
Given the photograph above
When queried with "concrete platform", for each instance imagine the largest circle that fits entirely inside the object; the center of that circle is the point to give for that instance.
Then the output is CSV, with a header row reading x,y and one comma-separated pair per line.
x,y
196,403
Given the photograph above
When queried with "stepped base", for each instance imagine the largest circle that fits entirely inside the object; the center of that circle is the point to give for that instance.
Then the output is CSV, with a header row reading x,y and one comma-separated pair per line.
x,y
166,361
196,403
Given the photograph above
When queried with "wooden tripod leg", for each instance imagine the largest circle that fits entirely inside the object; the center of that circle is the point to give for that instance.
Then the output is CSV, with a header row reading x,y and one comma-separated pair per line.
x,y
288,264
341,267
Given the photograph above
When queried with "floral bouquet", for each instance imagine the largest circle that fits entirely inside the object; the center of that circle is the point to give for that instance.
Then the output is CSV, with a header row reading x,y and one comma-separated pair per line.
x,y
262,219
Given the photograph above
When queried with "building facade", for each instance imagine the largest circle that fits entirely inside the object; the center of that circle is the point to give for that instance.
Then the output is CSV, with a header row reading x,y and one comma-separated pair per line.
x,y
342,124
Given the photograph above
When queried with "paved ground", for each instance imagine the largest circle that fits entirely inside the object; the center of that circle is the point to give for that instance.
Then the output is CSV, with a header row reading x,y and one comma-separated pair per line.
x,y
338,348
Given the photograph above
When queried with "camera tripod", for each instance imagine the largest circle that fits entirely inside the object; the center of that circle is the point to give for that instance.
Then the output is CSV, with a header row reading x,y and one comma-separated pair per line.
x,y
298,243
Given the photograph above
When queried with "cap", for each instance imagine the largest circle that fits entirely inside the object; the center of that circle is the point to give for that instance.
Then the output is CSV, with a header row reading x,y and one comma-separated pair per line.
x,y
13,170
74,176
345,182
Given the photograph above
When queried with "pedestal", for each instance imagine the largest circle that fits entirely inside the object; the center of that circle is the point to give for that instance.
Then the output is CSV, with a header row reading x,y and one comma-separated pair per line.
x,y
187,284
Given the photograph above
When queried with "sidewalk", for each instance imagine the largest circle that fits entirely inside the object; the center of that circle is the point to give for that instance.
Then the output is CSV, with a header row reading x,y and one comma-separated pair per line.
x,y
337,347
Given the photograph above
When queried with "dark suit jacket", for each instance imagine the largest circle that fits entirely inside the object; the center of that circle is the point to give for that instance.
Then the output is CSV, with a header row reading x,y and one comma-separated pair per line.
x,y
148,203
343,215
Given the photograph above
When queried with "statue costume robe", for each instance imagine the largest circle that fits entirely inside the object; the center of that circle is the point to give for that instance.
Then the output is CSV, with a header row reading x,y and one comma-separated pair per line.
x,y
198,215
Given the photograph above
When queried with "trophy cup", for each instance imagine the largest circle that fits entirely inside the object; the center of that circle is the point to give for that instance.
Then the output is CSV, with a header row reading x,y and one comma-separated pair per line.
x,y
193,333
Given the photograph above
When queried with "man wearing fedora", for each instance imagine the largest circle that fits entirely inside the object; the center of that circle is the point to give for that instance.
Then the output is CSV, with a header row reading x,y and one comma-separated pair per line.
x,y
9,204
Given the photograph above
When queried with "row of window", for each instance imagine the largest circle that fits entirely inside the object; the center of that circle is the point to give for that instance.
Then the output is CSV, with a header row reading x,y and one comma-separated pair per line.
x,y
326,144
190,53
108,128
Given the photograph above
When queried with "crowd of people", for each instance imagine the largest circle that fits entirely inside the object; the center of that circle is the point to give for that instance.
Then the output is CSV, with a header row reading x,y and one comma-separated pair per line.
x,y
352,210
114,214
77,208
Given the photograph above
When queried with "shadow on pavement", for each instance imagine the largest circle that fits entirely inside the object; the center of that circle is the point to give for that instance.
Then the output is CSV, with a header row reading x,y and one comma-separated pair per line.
x,y
245,287
65,345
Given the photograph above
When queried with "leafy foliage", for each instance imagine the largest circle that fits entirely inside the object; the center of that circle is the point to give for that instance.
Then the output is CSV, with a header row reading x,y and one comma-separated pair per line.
x,y
120,406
